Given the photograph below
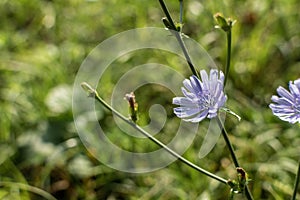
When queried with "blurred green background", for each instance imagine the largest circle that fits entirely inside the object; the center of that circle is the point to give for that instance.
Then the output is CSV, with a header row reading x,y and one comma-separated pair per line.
x,y
42,45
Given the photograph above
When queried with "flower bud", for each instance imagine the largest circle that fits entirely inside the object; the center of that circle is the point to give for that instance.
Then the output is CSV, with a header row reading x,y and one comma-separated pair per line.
x,y
133,106
223,23
91,91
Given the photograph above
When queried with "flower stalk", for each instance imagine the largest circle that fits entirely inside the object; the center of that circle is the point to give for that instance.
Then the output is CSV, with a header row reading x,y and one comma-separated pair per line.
x,y
233,156
93,93
228,33
174,30
296,183
226,26
181,12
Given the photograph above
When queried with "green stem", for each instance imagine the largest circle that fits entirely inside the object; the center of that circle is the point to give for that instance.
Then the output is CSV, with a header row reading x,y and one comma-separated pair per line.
x,y
186,55
167,13
228,143
181,11
296,183
233,156
228,33
94,93
178,37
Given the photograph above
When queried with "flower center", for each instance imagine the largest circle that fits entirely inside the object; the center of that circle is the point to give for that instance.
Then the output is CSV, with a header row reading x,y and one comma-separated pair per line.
x,y
205,100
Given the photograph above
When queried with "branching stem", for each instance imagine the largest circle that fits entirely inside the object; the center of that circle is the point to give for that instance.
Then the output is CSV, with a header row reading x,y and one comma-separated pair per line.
x,y
93,93
178,37
233,156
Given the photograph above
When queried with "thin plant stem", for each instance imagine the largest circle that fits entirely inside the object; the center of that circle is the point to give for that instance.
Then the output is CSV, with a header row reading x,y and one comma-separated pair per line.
x,y
228,143
227,67
167,13
222,127
233,156
181,43
181,11
178,37
296,183
94,93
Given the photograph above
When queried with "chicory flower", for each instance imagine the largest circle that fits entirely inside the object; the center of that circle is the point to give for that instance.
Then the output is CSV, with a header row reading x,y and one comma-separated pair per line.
x,y
202,98
286,106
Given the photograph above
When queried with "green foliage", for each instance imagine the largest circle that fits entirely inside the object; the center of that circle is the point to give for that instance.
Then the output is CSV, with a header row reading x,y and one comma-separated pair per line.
x,y
43,44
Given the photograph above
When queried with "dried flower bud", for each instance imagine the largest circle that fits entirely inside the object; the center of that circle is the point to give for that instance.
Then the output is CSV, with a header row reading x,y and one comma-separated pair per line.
x,y
133,106
242,178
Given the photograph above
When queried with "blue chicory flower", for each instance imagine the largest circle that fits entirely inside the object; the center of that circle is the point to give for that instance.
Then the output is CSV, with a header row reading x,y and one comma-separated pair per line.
x,y
287,105
201,98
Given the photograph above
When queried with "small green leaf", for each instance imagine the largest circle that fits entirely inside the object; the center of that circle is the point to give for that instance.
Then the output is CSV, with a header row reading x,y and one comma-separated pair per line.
x,y
166,23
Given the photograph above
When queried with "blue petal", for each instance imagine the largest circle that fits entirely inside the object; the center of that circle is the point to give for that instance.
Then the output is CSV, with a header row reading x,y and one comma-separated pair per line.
x,y
222,77
284,93
290,119
297,83
196,84
188,94
198,118
204,78
182,101
213,80
187,85
281,100
218,91
182,112
294,90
